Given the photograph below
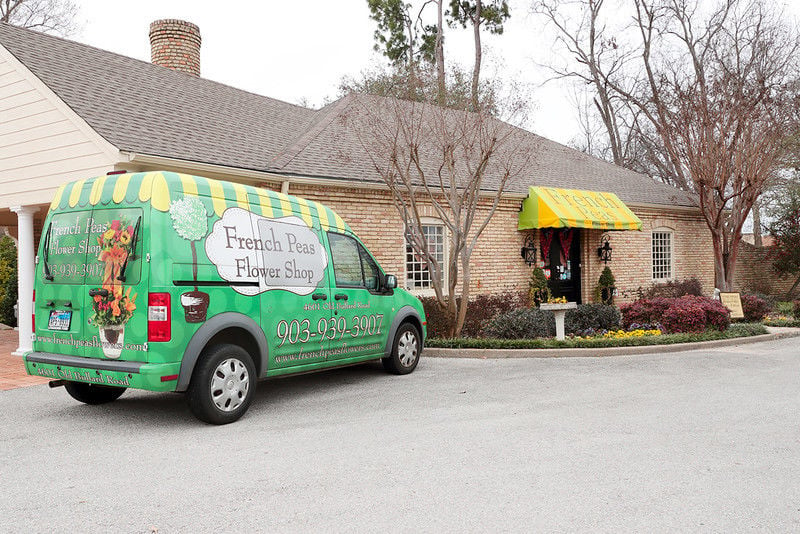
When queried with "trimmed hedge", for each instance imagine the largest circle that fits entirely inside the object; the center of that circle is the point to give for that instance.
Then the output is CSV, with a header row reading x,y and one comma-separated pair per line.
x,y
676,315
530,323
735,331
523,323
479,311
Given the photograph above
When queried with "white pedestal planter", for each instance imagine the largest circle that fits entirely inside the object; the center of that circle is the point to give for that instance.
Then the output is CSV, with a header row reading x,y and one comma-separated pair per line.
x,y
560,311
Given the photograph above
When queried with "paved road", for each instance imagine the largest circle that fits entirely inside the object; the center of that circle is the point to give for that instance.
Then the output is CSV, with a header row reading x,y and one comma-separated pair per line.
x,y
696,441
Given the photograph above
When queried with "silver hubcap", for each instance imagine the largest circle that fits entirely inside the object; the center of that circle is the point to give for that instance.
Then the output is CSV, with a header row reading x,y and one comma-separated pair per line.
x,y
407,349
230,384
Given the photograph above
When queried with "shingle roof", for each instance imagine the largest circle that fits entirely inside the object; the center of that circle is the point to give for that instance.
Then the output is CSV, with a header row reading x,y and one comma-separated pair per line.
x,y
141,107
332,148
144,108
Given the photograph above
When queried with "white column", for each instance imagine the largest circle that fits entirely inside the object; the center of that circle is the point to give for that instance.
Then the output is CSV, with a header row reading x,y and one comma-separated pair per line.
x,y
25,270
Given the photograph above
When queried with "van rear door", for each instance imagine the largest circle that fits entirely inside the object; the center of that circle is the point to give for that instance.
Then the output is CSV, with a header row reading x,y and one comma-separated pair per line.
x,y
114,284
60,307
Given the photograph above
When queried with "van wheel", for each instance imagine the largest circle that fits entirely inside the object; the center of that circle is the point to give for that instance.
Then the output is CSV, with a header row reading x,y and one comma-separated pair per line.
x,y
405,351
223,385
93,393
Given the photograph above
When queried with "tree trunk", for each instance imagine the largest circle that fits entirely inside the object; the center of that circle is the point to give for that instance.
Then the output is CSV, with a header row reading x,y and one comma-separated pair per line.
x,y
439,53
476,69
757,224
194,264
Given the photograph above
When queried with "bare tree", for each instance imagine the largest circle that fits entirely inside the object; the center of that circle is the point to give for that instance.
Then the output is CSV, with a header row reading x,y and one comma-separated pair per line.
x,y
455,162
49,16
714,91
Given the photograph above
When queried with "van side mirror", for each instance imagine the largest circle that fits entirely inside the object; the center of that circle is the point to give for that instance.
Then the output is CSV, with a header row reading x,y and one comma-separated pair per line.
x,y
390,281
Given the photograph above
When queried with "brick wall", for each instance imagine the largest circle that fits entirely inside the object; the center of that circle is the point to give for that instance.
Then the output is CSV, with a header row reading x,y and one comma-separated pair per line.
x,y
754,272
496,263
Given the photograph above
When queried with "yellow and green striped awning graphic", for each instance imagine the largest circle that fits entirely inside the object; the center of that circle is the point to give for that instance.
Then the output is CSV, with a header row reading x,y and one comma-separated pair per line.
x,y
552,207
162,188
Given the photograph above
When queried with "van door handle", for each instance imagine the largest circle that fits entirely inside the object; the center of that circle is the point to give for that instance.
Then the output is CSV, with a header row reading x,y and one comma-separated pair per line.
x,y
98,292
340,296
68,304
319,296
50,304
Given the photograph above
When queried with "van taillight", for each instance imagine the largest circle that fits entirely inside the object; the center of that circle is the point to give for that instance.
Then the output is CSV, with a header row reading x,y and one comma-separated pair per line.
x,y
159,318
33,313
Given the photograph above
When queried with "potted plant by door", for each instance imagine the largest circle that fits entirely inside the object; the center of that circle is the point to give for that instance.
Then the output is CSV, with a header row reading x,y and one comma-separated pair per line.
x,y
539,290
605,286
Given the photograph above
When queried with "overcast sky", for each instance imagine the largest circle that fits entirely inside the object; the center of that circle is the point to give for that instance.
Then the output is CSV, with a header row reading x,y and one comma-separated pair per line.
x,y
299,50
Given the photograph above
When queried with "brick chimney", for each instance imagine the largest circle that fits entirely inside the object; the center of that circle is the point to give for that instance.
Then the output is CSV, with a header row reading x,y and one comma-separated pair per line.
x,y
175,44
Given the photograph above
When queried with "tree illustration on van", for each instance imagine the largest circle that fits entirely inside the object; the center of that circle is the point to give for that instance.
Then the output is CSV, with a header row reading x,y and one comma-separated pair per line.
x,y
190,220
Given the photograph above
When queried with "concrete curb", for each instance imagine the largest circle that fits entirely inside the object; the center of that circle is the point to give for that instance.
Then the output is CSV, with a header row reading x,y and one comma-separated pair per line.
x,y
775,333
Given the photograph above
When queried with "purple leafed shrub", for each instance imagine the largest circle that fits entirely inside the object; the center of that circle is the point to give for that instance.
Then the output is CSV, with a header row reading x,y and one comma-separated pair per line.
x,y
755,308
685,314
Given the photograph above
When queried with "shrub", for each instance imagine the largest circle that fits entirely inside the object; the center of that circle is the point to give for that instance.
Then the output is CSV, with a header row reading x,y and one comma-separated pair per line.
x,y
523,323
605,284
796,309
8,280
479,311
673,289
533,322
755,308
685,314
591,317
539,290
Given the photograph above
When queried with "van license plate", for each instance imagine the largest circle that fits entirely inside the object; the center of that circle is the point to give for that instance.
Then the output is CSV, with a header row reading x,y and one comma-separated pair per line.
x,y
59,320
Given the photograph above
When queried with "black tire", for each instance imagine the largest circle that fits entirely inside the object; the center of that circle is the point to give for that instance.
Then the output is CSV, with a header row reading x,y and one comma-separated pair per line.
x,y
93,393
223,384
406,349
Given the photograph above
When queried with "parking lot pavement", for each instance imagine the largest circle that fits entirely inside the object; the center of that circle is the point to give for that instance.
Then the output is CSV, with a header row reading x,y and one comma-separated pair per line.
x,y
702,441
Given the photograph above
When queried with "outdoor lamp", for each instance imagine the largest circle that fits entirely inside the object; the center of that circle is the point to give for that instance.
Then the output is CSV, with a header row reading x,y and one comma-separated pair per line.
x,y
604,250
528,251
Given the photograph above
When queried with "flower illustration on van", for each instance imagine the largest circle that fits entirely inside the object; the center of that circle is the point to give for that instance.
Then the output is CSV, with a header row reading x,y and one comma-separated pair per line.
x,y
112,307
190,220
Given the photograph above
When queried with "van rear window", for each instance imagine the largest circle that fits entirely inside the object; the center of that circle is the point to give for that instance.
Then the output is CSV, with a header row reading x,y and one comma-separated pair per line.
x,y
88,247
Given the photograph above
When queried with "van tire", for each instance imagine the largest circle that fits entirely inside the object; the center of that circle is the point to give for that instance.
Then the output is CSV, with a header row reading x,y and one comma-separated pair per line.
x,y
406,349
222,366
93,393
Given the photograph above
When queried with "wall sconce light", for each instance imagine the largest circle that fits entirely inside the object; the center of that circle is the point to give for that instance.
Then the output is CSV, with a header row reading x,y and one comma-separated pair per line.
x,y
528,250
604,250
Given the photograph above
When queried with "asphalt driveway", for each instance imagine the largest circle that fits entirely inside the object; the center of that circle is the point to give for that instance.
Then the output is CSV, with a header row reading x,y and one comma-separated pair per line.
x,y
701,441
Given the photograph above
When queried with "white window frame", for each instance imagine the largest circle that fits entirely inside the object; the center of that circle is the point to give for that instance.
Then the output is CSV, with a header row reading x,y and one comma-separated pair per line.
x,y
669,250
428,291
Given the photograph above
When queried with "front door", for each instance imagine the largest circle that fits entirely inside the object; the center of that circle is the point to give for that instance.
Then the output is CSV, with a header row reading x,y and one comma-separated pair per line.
x,y
564,264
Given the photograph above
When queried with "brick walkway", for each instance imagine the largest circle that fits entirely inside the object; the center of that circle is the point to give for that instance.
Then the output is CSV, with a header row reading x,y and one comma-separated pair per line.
x,y
12,372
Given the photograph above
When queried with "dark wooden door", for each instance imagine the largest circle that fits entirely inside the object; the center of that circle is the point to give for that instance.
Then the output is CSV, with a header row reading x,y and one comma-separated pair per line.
x,y
565,269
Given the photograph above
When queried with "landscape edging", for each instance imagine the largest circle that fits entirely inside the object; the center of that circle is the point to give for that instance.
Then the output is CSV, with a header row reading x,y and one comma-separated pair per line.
x,y
435,352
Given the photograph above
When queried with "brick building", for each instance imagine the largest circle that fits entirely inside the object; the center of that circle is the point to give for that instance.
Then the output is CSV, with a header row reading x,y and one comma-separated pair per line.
x,y
71,111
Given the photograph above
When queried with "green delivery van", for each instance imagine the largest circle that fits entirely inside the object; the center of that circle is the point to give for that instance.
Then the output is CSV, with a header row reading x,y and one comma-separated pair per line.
x,y
170,282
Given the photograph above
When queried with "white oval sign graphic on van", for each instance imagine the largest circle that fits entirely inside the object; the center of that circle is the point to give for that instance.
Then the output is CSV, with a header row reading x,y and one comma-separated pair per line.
x,y
277,253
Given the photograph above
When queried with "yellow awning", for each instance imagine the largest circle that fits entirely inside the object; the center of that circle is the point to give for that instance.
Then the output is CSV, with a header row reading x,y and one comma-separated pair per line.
x,y
551,207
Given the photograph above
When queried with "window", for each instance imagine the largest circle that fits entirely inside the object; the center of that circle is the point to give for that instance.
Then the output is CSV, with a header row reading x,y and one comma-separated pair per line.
x,y
418,276
352,265
662,255
346,261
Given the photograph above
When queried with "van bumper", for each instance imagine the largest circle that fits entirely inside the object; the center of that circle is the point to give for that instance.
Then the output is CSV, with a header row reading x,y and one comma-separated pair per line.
x,y
137,375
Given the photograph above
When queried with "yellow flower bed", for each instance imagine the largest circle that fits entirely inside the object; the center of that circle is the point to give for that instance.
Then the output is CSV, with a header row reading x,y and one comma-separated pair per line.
x,y
622,334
